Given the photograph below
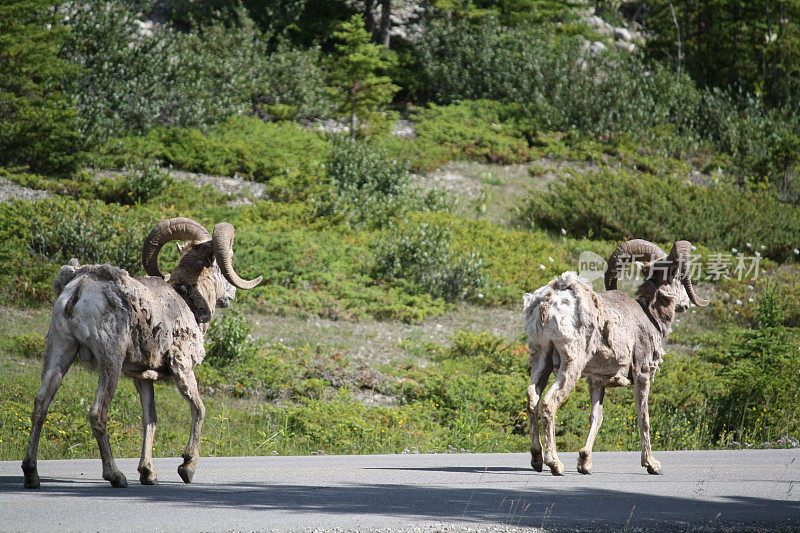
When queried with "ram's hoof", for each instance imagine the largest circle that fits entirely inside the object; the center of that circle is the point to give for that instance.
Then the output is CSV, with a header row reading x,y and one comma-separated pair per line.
x,y
655,470
32,481
557,468
537,463
148,477
186,473
117,480
584,462
31,476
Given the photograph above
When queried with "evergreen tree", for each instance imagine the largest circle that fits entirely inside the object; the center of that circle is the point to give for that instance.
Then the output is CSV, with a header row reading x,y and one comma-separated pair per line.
x,y
37,121
355,68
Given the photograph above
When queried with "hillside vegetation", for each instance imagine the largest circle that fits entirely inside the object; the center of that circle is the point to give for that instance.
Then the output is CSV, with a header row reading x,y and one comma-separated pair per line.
x,y
389,319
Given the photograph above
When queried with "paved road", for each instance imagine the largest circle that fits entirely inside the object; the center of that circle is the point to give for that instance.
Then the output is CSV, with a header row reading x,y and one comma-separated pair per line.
x,y
729,490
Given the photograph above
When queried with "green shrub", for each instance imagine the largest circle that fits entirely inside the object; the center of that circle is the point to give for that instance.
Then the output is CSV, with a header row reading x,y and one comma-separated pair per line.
x,y
513,262
166,77
36,239
604,95
462,62
762,142
284,156
771,300
30,345
92,232
423,257
367,189
143,182
277,91
134,80
619,205
228,339
481,130
759,403
770,308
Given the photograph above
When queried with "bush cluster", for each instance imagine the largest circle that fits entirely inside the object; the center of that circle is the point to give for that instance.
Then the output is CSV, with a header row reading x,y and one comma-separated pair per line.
x,y
135,78
367,189
620,205
142,182
284,156
228,339
557,80
424,257
759,398
91,231
561,85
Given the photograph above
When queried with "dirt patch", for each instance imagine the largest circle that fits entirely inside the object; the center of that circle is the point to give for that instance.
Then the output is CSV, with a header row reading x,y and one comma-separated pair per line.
x,y
10,191
381,343
242,192
496,192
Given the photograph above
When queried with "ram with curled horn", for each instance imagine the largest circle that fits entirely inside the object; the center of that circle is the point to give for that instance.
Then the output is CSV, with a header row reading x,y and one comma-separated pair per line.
x,y
148,328
612,339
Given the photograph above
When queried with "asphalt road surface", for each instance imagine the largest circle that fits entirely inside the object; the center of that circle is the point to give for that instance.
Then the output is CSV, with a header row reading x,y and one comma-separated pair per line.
x,y
705,491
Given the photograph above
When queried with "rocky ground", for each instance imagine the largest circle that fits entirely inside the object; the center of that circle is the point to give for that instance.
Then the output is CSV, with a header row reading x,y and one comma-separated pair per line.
x,y
11,191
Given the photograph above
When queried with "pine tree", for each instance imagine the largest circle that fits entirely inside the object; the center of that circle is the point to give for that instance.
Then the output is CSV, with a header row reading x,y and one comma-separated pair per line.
x,y
37,122
361,91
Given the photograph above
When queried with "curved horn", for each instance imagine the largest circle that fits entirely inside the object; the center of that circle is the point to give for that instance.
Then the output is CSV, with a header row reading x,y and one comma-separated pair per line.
x,y
633,248
680,255
173,229
223,252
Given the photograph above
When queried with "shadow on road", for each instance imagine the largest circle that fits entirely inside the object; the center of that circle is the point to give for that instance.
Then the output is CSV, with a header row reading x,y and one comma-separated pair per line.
x,y
463,469
553,509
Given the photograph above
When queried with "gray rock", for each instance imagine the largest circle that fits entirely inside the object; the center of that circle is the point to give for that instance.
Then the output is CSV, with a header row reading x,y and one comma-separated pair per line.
x,y
404,128
622,34
595,22
597,48
626,47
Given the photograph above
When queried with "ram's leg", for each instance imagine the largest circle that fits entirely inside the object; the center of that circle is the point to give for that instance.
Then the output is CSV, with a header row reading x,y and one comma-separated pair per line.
x,y
109,371
641,390
542,368
568,374
187,385
596,392
147,472
58,356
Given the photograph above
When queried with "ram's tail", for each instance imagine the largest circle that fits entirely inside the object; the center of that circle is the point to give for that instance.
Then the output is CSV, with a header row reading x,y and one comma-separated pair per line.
x,y
565,305
65,275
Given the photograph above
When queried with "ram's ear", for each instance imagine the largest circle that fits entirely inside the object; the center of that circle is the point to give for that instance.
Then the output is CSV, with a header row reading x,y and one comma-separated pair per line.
x,y
666,292
205,253
648,291
182,248
527,300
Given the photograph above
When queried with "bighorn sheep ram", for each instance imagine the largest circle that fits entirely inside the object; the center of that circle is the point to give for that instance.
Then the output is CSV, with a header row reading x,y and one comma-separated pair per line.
x,y
610,338
147,328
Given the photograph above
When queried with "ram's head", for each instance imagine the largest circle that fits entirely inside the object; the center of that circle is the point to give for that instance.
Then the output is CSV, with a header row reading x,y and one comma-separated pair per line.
x,y
666,276
202,253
